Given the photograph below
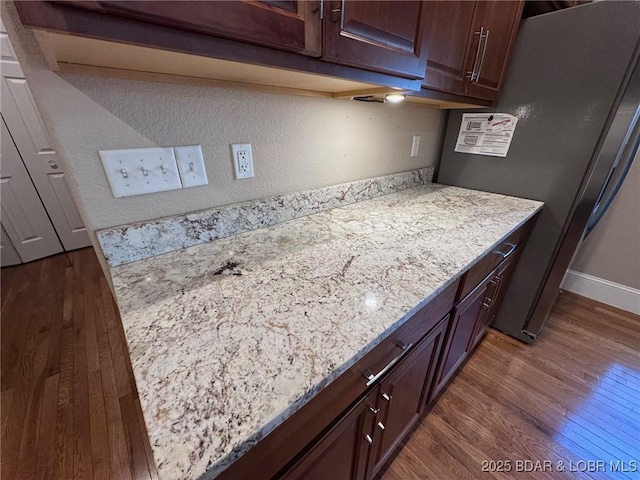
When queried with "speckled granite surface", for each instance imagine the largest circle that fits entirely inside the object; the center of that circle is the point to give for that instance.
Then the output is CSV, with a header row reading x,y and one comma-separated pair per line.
x,y
129,243
229,338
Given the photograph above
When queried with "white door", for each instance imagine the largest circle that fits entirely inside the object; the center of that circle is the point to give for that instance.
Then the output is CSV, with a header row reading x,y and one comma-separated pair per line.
x,y
8,254
23,215
10,65
23,121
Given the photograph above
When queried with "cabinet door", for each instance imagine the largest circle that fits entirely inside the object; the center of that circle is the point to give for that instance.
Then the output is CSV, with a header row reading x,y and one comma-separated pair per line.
x,y
384,36
461,334
496,25
292,25
495,293
403,394
449,42
343,453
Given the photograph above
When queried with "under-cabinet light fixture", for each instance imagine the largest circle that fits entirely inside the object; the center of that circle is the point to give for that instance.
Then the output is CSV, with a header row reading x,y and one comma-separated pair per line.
x,y
395,98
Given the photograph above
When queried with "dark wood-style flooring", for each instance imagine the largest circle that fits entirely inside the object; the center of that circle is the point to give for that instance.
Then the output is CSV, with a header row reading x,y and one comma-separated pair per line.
x,y
69,405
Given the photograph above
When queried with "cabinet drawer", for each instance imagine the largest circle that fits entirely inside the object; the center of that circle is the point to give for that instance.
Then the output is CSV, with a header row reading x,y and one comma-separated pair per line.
x,y
392,349
489,262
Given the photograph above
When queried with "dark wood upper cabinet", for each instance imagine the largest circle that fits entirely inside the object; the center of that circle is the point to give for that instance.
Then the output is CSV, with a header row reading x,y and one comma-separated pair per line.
x,y
383,36
457,51
286,25
497,25
470,45
449,35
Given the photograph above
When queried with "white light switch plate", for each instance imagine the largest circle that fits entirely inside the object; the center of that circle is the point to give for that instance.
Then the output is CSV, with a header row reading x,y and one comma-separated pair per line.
x,y
191,165
138,171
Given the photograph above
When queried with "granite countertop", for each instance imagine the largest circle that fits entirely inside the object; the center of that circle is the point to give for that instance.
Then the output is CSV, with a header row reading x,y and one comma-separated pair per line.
x,y
229,338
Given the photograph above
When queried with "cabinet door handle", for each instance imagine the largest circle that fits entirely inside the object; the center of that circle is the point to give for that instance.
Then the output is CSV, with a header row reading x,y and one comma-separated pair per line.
x,y
373,410
381,425
472,74
498,287
371,378
368,438
336,15
319,9
484,50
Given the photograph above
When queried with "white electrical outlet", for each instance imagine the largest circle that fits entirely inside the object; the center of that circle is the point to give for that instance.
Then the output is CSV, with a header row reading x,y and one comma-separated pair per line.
x,y
138,171
242,160
191,166
415,145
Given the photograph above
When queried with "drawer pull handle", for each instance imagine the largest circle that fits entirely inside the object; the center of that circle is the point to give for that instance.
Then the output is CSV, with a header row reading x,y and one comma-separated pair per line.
x,y
386,396
512,247
381,425
368,438
371,378
374,410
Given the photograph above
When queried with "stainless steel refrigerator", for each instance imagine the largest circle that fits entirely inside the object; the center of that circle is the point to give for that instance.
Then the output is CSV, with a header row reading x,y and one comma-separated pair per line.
x,y
574,85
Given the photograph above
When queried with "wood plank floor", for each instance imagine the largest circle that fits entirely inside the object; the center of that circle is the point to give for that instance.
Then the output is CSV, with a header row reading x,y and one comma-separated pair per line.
x,y
571,398
69,406
69,403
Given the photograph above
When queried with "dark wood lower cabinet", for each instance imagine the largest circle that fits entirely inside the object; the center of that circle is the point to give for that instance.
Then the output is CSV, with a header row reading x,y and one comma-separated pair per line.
x,y
495,293
403,393
343,452
461,334
475,312
359,443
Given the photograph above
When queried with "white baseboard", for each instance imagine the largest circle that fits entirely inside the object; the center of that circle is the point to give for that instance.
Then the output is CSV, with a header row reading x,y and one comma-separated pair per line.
x,y
614,294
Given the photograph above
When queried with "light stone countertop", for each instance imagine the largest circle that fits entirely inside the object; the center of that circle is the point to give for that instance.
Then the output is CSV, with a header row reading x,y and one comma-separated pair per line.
x,y
229,338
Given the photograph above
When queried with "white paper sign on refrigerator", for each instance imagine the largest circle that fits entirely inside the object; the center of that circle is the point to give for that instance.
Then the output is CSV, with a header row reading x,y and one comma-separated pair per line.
x,y
486,133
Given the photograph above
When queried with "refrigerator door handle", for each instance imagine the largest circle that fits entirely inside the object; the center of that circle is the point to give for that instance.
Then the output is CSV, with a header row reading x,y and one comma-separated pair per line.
x,y
620,168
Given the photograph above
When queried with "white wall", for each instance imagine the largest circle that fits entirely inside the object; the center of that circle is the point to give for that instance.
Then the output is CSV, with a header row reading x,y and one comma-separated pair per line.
x,y
298,142
607,267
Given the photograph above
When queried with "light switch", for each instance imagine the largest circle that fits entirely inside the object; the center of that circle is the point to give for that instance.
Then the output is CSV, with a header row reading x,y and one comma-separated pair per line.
x,y
138,171
415,145
191,165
